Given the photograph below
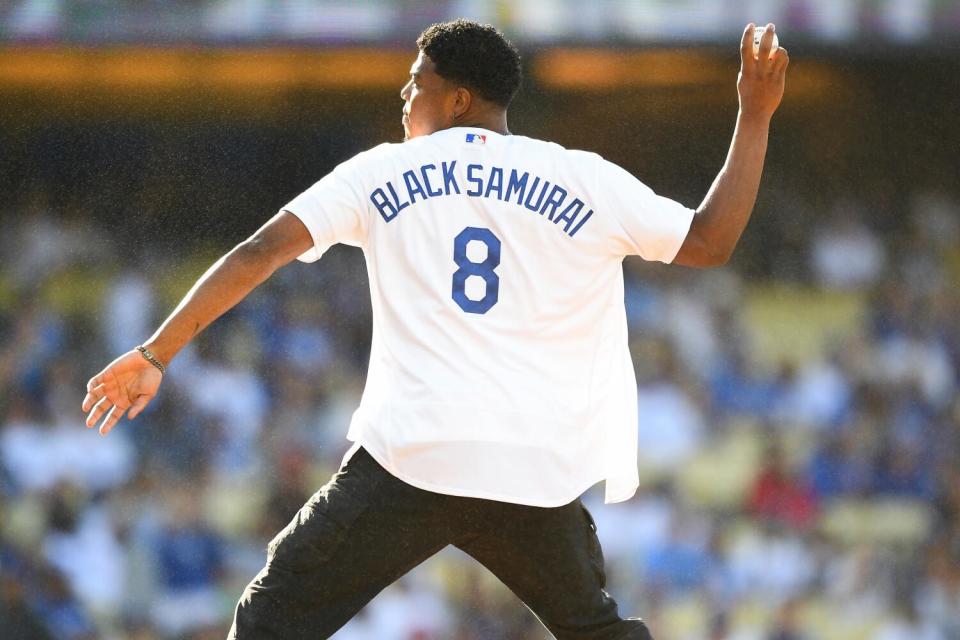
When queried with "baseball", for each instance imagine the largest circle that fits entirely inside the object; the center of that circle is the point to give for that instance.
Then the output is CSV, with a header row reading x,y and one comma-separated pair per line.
x,y
757,34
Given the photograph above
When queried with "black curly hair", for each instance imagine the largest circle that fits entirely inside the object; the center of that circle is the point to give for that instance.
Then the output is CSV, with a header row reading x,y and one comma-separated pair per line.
x,y
475,55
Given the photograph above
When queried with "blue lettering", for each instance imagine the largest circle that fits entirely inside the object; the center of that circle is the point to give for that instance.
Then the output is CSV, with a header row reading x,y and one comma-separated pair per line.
x,y
554,200
476,180
535,207
582,222
382,204
396,201
569,215
426,180
413,186
448,178
518,184
495,183
521,188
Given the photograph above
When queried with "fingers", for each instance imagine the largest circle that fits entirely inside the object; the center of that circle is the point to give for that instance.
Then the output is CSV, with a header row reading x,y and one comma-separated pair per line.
x,y
780,61
113,416
138,405
88,401
113,412
746,46
94,394
766,45
99,386
110,412
99,408
117,389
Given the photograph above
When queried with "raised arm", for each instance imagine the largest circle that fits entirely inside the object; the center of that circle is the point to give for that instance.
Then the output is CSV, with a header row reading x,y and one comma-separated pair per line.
x,y
130,381
725,210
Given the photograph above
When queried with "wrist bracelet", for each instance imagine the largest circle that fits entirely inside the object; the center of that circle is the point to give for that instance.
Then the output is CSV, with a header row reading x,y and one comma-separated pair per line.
x,y
152,359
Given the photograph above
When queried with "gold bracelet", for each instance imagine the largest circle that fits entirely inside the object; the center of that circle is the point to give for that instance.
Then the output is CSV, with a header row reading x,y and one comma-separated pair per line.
x,y
152,359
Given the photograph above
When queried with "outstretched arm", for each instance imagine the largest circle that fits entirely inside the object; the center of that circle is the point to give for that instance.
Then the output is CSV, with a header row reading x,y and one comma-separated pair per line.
x,y
725,210
130,381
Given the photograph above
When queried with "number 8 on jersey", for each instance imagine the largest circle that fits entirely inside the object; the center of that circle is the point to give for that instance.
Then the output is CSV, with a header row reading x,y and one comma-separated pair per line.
x,y
484,269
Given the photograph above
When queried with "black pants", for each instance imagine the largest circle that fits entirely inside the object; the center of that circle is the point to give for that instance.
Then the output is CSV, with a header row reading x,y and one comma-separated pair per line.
x,y
366,528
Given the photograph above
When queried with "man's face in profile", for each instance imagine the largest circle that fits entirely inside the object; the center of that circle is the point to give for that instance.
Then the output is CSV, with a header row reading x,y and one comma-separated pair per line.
x,y
428,100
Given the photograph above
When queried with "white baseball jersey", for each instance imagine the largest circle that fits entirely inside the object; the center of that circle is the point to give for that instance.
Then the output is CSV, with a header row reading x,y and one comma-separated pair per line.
x,y
499,365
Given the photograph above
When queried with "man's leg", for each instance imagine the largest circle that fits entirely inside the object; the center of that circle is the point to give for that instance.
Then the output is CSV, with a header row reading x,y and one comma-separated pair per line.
x,y
357,535
551,559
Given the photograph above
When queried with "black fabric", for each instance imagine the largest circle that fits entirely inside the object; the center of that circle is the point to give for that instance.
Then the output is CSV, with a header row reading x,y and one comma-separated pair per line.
x,y
365,528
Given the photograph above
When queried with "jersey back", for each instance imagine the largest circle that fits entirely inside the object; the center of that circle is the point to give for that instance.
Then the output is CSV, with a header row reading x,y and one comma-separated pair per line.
x,y
499,365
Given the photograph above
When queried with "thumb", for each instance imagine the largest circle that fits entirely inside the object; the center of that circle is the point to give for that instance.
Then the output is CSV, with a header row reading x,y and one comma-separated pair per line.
x,y
138,405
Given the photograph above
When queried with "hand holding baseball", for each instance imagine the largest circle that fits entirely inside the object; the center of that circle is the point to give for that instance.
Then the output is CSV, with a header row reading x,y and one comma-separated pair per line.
x,y
761,81
758,36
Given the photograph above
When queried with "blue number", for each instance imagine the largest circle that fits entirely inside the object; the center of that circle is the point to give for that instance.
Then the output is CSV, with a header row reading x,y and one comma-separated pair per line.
x,y
469,268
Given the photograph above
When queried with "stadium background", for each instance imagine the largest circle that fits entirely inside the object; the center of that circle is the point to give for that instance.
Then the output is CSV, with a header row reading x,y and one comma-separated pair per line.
x,y
800,432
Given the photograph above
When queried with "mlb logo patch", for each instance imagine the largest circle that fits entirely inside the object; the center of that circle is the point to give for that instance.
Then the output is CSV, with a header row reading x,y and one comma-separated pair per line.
x,y
476,138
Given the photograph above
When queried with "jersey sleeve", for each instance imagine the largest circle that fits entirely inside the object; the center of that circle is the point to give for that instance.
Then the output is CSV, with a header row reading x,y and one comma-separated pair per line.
x,y
332,210
653,227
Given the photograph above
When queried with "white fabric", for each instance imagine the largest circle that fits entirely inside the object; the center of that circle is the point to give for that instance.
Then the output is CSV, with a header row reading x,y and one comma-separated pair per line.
x,y
533,400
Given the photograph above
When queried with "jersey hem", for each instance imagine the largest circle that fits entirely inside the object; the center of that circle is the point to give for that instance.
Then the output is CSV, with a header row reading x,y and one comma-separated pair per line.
x,y
462,493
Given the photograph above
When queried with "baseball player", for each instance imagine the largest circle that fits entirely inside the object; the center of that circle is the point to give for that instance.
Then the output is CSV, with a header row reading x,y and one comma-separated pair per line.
x,y
500,386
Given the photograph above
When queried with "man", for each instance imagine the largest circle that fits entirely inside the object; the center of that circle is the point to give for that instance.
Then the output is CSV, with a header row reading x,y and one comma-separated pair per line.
x,y
500,386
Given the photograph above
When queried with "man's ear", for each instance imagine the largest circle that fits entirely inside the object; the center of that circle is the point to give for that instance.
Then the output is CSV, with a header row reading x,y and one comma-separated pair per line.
x,y
462,101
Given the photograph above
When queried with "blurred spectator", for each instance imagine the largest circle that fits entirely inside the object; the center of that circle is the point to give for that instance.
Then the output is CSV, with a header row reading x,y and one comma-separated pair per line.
x,y
38,454
82,545
902,471
683,562
671,424
859,579
771,564
63,615
401,613
22,446
787,626
17,620
190,562
289,490
222,385
906,624
41,245
302,341
918,358
818,395
938,596
781,495
846,254
688,320
738,389
643,523
837,468
38,334
128,318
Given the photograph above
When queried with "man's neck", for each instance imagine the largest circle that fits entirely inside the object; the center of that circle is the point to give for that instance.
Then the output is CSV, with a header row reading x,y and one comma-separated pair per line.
x,y
491,122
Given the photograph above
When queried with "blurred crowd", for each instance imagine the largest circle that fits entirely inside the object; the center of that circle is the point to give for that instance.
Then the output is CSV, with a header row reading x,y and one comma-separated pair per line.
x,y
401,20
800,442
